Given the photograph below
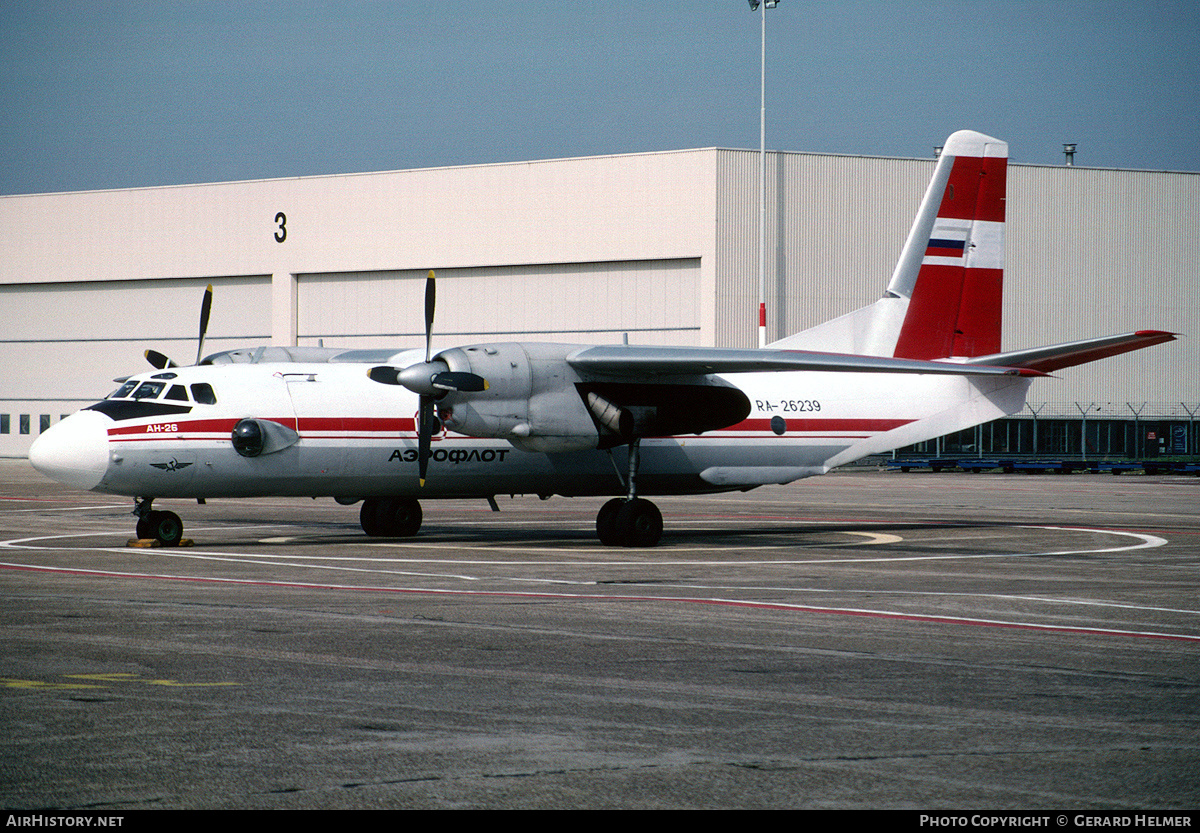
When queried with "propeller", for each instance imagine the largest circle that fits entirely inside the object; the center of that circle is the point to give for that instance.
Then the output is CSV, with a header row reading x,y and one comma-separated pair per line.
x,y
158,360
430,380
205,311
163,362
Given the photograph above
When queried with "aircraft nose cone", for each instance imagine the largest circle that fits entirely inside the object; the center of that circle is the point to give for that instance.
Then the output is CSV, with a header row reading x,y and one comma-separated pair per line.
x,y
74,451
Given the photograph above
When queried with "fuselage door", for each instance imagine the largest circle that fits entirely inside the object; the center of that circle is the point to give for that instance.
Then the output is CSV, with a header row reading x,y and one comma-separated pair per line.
x,y
319,407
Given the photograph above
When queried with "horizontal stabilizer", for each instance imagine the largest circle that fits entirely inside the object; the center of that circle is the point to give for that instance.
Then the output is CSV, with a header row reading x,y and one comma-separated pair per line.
x,y
624,361
1058,356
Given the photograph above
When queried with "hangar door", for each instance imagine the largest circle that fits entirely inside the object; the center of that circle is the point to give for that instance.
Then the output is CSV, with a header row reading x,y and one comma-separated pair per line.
x,y
68,340
62,344
655,301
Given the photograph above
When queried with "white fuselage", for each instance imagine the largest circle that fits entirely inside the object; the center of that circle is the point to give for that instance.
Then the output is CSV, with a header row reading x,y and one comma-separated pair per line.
x,y
358,439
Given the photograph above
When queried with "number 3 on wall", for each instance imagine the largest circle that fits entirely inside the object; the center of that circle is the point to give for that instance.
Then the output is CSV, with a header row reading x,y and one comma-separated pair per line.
x,y
281,222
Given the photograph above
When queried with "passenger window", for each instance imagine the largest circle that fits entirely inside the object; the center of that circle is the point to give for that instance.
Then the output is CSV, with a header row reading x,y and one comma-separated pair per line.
x,y
149,390
178,393
203,393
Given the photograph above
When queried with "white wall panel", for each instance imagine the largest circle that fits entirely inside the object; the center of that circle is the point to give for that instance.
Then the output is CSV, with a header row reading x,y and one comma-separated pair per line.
x,y
1093,252
835,226
656,302
643,207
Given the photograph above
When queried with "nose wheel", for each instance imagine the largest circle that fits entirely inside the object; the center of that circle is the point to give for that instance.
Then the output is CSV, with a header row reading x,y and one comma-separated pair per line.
x,y
164,527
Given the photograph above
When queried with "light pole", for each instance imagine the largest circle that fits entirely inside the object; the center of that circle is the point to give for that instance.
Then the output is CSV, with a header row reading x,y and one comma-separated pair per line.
x,y
762,175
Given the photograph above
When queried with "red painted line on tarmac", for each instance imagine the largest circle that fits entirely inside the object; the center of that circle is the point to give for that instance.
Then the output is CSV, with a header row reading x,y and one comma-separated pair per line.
x,y
778,606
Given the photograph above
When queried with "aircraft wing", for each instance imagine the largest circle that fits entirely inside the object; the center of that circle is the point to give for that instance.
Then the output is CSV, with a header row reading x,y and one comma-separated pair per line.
x,y
1057,356
625,360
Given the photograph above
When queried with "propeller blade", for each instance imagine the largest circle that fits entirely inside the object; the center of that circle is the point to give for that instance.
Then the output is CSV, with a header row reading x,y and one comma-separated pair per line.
x,y
384,375
428,379
430,302
158,360
205,311
457,381
425,417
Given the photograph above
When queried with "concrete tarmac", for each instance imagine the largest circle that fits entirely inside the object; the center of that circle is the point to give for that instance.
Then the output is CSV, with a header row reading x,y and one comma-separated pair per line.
x,y
861,640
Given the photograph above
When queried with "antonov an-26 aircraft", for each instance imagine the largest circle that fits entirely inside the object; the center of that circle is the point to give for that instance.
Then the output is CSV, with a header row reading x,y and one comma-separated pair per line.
x,y
386,427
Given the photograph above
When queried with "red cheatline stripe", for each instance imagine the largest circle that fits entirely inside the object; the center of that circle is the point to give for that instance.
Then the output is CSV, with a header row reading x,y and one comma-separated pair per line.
x,y
818,424
225,426
389,425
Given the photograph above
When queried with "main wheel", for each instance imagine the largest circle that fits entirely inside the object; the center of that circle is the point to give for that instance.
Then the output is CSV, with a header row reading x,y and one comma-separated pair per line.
x,y
606,522
391,517
401,517
639,523
370,516
164,526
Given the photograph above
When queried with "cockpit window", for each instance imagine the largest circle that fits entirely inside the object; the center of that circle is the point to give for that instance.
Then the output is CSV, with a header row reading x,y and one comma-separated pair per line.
x,y
149,390
123,391
178,393
203,393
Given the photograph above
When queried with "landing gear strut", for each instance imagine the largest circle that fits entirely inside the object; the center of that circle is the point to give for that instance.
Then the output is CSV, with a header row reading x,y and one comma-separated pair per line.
x,y
165,527
630,521
390,517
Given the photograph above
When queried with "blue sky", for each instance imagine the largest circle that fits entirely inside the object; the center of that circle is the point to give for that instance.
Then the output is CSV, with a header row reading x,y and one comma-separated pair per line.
x,y
124,94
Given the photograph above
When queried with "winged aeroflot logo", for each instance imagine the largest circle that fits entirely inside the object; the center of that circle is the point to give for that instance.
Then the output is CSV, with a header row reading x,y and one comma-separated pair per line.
x,y
174,465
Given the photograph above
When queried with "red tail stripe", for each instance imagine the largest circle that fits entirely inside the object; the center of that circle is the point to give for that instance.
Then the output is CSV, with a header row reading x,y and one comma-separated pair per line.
x,y
975,190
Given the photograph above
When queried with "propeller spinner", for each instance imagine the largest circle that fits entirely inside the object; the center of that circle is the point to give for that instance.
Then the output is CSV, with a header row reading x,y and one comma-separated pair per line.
x,y
430,380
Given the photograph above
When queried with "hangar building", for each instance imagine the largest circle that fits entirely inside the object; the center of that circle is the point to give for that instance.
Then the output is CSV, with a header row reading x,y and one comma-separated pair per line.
x,y
660,246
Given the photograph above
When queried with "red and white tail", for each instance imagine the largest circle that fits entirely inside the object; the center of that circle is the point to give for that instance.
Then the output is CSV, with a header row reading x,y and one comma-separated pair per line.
x,y
952,266
945,296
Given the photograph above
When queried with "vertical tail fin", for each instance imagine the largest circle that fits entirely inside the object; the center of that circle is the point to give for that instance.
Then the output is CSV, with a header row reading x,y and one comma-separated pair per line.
x,y
945,296
952,266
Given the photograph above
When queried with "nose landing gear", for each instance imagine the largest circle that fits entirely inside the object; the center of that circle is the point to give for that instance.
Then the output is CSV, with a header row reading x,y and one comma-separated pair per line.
x,y
164,527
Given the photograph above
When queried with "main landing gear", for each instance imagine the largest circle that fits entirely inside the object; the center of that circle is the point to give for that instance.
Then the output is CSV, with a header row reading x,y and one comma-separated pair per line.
x,y
630,521
164,527
390,517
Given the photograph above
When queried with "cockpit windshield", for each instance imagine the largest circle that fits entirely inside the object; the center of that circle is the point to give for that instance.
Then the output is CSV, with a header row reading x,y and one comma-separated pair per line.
x,y
123,391
149,390
202,392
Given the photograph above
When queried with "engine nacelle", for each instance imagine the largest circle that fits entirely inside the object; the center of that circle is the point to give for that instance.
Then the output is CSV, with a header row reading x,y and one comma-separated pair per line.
x,y
538,402
531,399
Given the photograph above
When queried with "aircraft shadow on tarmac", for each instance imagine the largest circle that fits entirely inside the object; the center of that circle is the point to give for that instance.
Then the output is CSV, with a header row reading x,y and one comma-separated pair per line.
x,y
308,534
